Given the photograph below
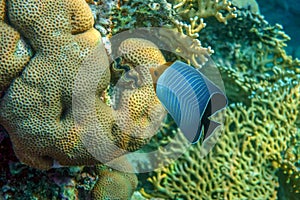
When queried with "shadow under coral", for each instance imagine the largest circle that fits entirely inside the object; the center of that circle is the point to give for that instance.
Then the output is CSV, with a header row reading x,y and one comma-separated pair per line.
x,y
19,181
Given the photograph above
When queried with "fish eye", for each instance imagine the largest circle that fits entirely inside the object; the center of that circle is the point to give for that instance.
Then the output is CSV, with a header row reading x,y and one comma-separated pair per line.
x,y
156,73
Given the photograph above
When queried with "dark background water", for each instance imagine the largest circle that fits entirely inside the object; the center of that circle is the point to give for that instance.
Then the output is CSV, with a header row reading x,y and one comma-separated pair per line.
x,y
286,13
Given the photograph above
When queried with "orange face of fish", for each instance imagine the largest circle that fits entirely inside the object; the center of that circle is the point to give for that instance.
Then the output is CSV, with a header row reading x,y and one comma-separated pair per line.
x,y
157,71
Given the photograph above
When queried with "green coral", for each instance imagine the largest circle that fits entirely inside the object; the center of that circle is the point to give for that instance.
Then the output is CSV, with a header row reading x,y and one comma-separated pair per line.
x,y
136,13
240,166
289,173
253,60
262,122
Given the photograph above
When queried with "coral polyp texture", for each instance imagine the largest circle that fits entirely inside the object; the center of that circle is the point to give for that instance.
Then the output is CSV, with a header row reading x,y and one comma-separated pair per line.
x,y
139,111
16,53
45,43
36,109
113,184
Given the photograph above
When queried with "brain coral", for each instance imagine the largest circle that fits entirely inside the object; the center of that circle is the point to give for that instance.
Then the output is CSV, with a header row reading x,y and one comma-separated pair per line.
x,y
16,53
36,109
142,113
113,184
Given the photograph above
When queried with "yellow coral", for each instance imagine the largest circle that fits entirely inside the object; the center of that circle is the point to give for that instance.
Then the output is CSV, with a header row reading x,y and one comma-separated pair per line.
x,y
36,107
2,10
138,51
36,110
187,47
14,53
289,173
240,165
143,107
113,184
205,8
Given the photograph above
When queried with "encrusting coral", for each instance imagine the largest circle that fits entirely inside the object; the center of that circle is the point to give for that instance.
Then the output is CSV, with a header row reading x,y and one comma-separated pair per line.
x,y
14,53
113,184
36,108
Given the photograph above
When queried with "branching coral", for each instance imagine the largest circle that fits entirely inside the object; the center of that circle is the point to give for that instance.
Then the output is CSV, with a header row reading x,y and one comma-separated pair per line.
x,y
192,29
37,91
247,4
151,13
189,48
240,165
254,59
204,8
261,124
289,173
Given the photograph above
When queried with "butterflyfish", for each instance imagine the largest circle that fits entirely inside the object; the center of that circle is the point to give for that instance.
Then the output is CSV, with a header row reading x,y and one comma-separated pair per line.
x,y
189,97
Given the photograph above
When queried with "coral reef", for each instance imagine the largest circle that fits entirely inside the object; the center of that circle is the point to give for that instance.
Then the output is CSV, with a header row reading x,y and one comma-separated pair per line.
x,y
189,9
254,59
16,53
288,18
37,108
240,166
46,42
102,11
140,110
248,161
113,184
136,13
289,172
19,181
247,4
